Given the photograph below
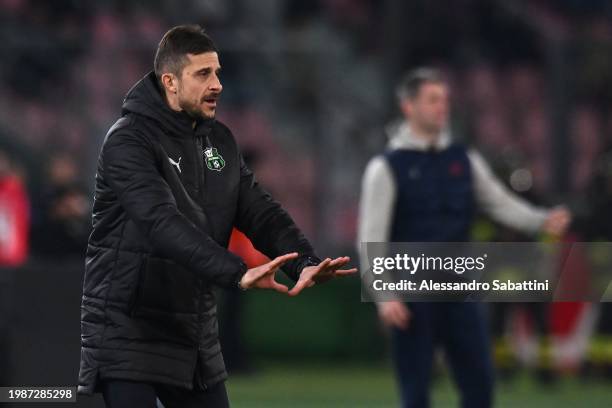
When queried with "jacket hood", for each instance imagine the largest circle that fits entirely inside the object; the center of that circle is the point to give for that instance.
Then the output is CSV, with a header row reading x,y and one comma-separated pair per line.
x,y
401,137
146,99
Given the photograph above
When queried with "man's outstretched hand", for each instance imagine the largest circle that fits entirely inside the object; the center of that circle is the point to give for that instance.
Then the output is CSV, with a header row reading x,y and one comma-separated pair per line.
x,y
263,276
326,270
558,221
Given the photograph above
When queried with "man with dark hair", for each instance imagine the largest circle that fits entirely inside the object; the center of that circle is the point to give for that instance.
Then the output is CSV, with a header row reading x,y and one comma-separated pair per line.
x,y
170,186
411,82
425,188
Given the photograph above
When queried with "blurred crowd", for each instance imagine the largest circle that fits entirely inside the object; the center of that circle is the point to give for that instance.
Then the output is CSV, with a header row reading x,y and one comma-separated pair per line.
x,y
308,89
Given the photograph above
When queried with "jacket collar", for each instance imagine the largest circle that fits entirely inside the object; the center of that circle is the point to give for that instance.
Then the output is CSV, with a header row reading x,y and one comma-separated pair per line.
x,y
145,98
401,137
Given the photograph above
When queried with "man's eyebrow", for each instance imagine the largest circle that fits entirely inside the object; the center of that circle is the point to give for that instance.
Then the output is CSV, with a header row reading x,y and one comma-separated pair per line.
x,y
206,70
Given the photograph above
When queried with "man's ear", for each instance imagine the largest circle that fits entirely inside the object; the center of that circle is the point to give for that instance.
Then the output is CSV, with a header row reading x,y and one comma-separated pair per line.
x,y
169,81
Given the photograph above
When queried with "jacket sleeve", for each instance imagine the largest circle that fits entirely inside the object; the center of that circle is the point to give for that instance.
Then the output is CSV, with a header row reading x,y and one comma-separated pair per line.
x,y
129,168
269,226
376,206
500,203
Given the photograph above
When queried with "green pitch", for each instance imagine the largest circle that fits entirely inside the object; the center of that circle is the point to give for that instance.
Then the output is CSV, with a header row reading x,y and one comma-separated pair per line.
x,y
338,386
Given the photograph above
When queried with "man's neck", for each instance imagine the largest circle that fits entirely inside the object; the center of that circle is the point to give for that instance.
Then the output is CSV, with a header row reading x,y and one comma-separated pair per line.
x,y
422,134
172,101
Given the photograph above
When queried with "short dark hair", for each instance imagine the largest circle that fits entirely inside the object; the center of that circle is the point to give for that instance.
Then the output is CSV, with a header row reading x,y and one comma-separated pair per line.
x,y
410,84
171,54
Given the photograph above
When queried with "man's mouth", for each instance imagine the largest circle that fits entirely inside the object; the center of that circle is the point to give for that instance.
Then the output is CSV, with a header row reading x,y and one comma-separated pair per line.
x,y
210,101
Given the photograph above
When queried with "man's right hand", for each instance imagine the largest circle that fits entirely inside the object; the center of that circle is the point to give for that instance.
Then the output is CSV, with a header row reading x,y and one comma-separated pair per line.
x,y
394,314
262,277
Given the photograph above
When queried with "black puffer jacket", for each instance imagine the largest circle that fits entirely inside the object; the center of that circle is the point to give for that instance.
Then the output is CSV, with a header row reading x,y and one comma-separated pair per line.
x,y
168,192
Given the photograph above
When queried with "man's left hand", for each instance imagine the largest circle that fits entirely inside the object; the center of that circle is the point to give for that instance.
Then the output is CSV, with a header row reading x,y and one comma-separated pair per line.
x,y
326,270
558,221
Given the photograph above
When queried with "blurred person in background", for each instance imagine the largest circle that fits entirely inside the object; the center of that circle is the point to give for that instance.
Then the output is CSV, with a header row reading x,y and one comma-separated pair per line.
x,y
425,188
170,186
64,224
14,216
14,247
596,226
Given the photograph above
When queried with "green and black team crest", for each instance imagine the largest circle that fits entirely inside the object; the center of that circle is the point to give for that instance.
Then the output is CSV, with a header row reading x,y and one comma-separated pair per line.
x,y
214,161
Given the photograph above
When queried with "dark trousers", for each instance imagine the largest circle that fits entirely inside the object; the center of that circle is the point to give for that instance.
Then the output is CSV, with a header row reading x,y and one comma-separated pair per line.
x,y
130,394
461,330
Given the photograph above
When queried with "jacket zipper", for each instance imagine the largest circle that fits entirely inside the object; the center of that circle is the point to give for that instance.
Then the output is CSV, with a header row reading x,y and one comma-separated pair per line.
x,y
200,160
200,181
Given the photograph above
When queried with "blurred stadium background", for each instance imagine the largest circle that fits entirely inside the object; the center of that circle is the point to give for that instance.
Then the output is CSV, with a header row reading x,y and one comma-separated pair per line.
x,y
308,91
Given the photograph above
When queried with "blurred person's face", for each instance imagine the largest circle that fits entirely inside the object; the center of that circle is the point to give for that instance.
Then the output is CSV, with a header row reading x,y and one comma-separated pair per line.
x,y
197,89
428,110
62,170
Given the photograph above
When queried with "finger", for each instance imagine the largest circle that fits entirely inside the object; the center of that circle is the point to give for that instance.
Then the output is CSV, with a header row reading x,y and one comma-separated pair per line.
x,y
260,274
281,260
279,287
325,263
340,261
298,288
331,270
318,268
345,272
301,284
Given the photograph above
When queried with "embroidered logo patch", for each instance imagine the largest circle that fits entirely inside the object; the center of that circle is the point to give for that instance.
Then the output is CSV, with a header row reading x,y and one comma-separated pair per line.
x,y
214,160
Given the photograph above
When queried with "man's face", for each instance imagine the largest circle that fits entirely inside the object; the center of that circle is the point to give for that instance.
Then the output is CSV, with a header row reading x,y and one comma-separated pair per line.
x,y
199,86
429,109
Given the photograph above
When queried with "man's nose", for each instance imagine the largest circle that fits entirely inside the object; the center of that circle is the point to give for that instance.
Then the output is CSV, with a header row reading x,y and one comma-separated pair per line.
x,y
215,84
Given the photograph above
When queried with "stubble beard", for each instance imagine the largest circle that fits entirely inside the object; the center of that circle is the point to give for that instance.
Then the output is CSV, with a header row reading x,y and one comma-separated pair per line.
x,y
194,111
